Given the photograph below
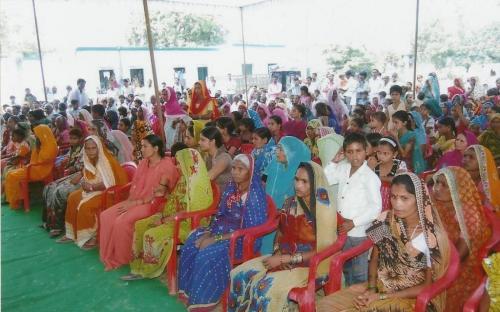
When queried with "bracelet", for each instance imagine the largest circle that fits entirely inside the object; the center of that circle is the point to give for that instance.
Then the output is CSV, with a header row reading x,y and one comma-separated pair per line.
x,y
382,296
218,237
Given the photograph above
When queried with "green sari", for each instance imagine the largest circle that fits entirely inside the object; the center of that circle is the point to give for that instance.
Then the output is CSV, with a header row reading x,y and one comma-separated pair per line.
x,y
153,236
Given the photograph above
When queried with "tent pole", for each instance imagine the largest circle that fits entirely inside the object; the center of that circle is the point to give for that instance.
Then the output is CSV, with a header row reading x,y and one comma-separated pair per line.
x,y
244,56
159,112
415,52
39,51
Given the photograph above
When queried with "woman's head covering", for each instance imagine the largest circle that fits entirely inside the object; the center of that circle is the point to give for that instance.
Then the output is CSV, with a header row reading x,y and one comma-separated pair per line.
x,y
323,210
455,157
324,131
106,136
197,194
243,159
257,122
280,176
266,111
338,107
201,102
87,117
48,144
281,113
489,175
126,149
328,147
102,167
468,208
419,128
171,105
314,124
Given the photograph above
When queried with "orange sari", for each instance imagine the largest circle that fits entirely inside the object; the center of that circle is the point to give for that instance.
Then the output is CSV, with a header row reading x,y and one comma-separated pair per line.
x,y
204,105
45,153
490,181
465,219
82,208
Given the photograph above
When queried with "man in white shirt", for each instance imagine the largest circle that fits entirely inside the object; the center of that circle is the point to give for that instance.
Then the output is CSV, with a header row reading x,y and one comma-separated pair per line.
x,y
79,93
376,84
350,93
314,85
273,89
230,89
177,85
126,89
362,89
359,201
212,86
295,87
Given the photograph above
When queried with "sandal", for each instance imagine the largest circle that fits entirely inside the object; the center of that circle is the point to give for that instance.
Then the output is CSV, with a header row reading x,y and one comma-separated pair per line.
x,y
131,277
64,240
91,244
55,233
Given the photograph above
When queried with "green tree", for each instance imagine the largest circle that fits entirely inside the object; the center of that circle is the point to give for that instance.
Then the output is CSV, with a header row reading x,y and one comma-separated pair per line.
x,y
343,58
176,29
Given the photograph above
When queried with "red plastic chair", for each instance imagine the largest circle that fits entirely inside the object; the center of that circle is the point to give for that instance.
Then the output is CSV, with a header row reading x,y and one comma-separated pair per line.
x,y
306,296
249,236
246,148
195,217
26,181
472,304
437,287
119,192
425,296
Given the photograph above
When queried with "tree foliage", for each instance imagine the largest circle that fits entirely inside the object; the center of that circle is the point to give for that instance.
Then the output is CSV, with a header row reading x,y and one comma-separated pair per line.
x,y
344,58
462,48
176,29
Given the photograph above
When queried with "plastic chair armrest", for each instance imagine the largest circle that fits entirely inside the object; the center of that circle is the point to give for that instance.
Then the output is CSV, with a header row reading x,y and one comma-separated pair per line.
x,y
338,261
251,235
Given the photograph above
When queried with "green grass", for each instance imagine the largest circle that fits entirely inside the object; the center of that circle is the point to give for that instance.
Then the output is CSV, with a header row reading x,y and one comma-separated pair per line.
x,y
40,275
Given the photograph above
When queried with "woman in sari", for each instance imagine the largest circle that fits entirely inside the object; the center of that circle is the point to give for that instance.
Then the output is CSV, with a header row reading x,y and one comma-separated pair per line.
x,y
456,89
55,194
61,131
339,109
45,151
192,134
455,157
140,129
327,117
174,113
217,160
152,243
491,137
100,129
479,162
409,150
411,251
312,136
264,113
156,176
264,149
100,171
308,224
204,261
458,202
297,125
431,95
201,104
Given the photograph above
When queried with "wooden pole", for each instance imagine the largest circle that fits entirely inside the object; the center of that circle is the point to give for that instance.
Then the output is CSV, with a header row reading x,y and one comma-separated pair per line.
x,y
244,56
415,52
159,112
39,51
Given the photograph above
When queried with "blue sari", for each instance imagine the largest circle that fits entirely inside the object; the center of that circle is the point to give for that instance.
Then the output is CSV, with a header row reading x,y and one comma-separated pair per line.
x,y
257,122
432,95
417,158
419,129
279,183
204,274
263,157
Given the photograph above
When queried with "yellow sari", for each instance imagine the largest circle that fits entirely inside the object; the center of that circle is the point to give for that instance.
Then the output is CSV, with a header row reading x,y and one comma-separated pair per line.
x,y
46,153
82,208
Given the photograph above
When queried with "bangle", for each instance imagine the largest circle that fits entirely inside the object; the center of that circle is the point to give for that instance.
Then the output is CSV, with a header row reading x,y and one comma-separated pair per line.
x,y
382,296
218,237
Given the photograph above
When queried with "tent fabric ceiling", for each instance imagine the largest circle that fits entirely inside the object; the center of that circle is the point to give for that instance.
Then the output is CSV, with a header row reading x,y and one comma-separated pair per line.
x,y
220,3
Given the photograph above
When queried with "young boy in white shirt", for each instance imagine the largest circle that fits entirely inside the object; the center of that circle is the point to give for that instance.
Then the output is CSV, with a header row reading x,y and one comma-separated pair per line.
x,y
359,201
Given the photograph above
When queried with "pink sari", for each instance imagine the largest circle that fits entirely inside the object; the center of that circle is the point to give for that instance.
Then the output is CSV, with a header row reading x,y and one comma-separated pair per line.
x,y
116,230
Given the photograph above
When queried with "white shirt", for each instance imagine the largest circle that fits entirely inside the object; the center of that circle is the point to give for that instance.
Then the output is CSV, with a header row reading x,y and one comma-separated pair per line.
x,y
231,86
376,85
274,90
82,97
351,87
314,86
359,196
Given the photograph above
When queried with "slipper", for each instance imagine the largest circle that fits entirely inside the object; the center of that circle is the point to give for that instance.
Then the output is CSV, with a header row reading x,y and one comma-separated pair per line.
x,y
55,233
90,246
131,277
64,240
